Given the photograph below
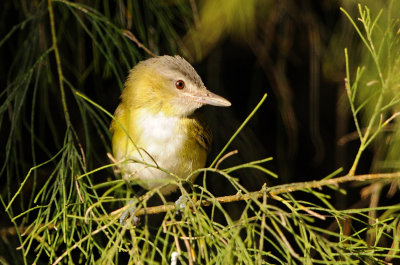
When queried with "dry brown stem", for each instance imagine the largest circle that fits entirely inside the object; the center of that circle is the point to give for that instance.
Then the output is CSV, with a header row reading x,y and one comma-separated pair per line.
x,y
276,190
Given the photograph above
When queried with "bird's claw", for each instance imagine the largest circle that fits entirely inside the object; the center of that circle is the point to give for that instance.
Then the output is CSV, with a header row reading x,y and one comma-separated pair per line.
x,y
180,203
130,211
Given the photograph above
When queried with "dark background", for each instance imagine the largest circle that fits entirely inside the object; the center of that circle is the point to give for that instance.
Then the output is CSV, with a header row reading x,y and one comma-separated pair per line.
x,y
289,56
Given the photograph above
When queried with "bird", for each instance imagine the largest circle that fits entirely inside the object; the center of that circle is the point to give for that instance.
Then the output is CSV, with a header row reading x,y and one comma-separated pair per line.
x,y
158,133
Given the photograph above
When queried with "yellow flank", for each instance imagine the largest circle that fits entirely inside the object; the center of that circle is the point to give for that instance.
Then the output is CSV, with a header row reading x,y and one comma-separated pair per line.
x,y
157,135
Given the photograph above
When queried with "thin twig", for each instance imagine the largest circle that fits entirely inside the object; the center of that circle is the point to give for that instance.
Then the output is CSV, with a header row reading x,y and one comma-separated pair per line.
x,y
78,244
231,153
239,129
83,155
78,189
355,136
132,37
58,63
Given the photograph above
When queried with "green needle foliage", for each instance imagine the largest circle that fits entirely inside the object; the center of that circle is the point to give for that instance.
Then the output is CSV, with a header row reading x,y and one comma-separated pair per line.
x,y
62,198
374,93
380,74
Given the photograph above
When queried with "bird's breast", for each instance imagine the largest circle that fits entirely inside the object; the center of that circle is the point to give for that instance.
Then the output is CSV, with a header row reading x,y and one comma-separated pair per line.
x,y
159,134
163,141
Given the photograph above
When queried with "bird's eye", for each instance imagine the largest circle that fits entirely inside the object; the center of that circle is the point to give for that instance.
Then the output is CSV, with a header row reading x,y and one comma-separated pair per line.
x,y
180,84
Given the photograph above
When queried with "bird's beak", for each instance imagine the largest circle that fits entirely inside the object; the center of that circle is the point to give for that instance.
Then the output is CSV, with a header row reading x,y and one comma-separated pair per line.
x,y
207,97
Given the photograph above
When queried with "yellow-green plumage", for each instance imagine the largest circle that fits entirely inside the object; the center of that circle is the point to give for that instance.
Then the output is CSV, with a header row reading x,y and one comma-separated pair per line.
x,y
157,123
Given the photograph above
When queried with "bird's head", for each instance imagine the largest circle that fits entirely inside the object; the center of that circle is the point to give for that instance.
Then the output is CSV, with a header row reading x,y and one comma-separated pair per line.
x,y
168,84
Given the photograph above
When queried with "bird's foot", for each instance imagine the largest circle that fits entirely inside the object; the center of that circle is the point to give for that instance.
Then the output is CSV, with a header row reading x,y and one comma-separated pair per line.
x,y
130,213
180,203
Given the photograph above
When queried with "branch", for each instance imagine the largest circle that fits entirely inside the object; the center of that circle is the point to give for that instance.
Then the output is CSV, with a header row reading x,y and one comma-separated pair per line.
x,y
265,191
270,192
58,63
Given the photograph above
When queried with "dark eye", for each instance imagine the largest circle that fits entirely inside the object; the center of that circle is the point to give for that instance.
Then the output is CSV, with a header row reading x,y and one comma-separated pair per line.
x,y
180,84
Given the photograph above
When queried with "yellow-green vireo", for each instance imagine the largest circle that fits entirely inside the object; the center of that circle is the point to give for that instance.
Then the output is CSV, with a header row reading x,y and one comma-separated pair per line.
x,y
157,129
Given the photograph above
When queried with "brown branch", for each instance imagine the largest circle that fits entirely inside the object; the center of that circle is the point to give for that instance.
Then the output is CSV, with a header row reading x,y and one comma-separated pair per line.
x,y
273,191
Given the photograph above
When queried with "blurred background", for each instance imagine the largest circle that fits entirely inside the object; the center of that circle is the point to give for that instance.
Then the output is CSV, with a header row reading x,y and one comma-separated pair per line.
x,y
291,50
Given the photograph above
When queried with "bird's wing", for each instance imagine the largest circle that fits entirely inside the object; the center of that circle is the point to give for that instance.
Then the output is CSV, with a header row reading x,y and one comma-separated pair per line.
x,y
200,130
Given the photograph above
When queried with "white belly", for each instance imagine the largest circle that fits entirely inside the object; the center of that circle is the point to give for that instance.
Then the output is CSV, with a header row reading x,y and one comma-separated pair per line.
x,y
159,160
